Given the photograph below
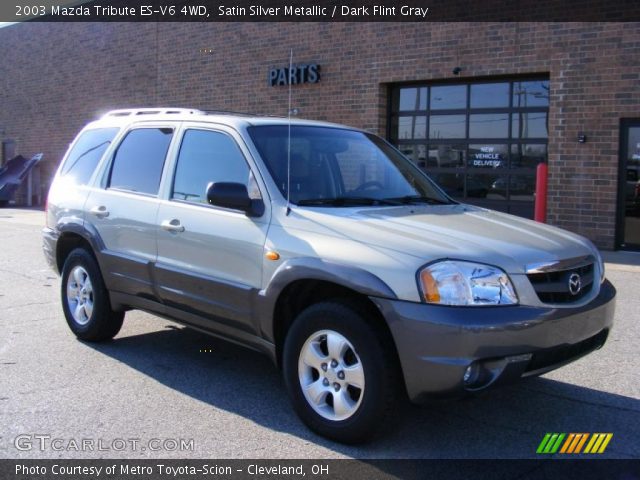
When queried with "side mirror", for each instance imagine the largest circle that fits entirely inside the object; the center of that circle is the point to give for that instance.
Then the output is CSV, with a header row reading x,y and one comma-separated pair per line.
x,y
234,196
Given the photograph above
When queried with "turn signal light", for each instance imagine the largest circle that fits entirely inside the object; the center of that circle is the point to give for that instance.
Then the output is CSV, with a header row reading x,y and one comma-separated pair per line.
x,y
430,287
271,255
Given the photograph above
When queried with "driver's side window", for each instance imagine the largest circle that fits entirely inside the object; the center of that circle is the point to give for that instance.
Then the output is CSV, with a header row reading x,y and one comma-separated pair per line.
x,y
207,156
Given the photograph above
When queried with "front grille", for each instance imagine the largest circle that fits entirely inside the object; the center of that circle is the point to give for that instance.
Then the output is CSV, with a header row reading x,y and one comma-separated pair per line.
x,y
553,286
550,357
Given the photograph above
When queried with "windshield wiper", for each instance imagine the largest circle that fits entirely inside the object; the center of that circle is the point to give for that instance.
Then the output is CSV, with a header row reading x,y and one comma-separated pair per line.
x,y
419,199
347,201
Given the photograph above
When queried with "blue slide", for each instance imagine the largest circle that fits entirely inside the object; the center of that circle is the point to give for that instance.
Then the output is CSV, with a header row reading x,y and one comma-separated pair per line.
x,y
13,173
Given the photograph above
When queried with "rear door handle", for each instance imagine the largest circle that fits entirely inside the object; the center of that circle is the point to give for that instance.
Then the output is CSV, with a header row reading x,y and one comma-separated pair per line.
x,y
172,225
100,211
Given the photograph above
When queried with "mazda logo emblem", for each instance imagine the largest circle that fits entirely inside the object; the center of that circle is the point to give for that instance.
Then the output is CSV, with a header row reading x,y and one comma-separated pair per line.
x,y
575,284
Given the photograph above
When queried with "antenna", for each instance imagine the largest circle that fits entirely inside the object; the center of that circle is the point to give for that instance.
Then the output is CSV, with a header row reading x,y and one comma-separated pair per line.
x,y
289,137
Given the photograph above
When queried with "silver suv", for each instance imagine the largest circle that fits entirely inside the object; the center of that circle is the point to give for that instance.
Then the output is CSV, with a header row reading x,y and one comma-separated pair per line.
x,y
321,246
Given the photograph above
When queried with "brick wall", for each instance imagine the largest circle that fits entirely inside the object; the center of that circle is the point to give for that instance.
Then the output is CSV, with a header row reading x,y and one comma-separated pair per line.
x,y
56,77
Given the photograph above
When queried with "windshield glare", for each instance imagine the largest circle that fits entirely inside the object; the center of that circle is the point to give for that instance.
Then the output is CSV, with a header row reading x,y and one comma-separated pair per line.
x,y
332,163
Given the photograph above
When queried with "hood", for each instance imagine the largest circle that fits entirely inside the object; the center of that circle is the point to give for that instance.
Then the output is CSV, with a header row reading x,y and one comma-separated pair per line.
x,y
458,231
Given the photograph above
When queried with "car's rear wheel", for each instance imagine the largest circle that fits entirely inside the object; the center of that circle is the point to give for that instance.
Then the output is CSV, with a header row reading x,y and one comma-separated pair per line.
x,y
339,371
85,299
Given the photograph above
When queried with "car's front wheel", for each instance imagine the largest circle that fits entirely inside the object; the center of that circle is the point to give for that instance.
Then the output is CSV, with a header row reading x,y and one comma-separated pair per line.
x,y
85,299
340,372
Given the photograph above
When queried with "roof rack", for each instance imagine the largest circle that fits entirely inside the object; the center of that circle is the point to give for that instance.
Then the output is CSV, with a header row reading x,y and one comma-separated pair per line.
x,y
152,111
232,112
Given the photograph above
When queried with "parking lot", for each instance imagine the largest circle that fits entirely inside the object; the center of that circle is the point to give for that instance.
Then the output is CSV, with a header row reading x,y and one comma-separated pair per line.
x,y
158,383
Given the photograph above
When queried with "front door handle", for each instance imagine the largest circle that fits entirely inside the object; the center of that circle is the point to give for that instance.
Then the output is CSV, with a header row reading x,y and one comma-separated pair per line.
x,y
100,211
172,225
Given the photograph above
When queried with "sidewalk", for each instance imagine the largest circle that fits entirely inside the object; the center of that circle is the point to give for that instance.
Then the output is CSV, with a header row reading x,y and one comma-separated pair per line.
x,y
621,260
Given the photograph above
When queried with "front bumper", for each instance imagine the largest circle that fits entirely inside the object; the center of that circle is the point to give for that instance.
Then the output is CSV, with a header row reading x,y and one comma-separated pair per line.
x,y
436,344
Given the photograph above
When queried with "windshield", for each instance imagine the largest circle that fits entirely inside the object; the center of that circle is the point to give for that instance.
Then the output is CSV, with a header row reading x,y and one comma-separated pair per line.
x,y
339,167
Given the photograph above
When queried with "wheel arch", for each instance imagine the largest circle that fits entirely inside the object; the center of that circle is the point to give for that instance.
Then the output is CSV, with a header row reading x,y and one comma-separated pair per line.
x,y
300,283
73,236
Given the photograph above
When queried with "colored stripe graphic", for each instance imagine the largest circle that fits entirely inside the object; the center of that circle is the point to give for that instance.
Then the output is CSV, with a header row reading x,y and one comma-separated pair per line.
x,y
583,439
574,443
544,441
592,441
556,445
598,443
551,443
605,443
567,443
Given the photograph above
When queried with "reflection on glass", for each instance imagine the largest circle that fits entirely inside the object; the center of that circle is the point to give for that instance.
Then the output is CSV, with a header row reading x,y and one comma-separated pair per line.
x,y
410,127
528,155
490,125
447,155
488,95
488,156
485,140
633,147
446,126
451,183
413,98
529,125
632,189
531,94
448,97
481,186
416,153
522,209
522,187
475,188
497,185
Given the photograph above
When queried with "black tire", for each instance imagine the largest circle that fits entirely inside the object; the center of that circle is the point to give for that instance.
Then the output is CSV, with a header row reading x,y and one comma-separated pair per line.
x,y
374,353
102,323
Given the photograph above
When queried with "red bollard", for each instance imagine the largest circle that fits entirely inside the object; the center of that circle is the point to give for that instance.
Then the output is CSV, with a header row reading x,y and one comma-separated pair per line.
x,y
540,214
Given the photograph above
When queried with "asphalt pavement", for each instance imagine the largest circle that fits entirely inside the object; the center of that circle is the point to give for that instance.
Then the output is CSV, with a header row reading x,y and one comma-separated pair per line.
x,y
162,391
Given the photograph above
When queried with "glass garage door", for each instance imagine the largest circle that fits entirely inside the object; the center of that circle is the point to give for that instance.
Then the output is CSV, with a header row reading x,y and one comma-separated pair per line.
x,y
481,141
629,210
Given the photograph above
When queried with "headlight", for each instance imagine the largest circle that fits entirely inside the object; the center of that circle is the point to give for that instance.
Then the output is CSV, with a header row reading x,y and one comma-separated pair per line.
x,y
464,283
601,265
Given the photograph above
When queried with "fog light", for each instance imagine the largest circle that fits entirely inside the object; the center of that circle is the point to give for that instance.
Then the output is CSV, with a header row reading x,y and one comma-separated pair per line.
x,y
471,374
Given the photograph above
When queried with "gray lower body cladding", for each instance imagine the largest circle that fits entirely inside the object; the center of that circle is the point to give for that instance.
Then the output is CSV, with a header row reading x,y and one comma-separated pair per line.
x,y
437,344
49,243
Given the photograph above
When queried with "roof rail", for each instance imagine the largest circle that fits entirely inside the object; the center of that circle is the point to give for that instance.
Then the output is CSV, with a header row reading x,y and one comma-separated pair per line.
x,y
152,111
232,112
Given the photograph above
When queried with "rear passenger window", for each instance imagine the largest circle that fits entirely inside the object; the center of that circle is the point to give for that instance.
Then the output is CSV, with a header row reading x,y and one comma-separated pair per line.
x,y
205,157
86,153
137,165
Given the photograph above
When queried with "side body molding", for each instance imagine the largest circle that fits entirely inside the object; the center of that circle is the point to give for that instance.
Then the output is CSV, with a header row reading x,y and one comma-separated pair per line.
x,y
307,268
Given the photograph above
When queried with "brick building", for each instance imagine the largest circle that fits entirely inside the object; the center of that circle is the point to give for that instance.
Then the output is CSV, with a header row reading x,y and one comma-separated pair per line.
x,y
477,105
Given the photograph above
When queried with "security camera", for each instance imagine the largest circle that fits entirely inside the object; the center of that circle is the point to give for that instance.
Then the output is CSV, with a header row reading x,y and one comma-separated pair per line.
x,y
457,70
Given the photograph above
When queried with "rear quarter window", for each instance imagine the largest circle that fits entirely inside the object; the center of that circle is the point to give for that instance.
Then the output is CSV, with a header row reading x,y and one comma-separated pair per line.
x,y
86,153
